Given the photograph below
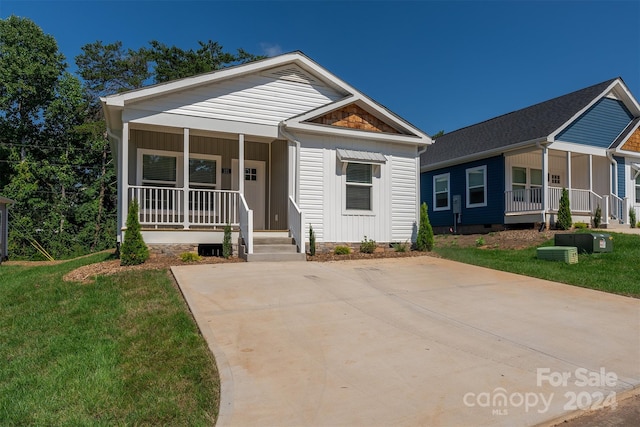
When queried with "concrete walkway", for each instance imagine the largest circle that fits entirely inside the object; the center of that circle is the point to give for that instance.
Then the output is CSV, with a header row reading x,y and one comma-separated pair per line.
x,y
410,341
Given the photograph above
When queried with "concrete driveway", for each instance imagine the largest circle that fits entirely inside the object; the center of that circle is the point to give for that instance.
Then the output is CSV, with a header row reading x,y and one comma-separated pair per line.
x,y
409,341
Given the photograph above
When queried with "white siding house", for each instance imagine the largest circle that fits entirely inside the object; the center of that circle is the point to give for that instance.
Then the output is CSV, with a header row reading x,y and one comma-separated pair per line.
x,y
274,145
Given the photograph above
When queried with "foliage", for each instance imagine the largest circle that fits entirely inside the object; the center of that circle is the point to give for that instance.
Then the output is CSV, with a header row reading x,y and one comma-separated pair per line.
x,y
424,241
84,351
480,241
133,250
564,211
342,250
190,257
581,225
312,241
227,247
614,272
368,246
597,217
632,217
401,247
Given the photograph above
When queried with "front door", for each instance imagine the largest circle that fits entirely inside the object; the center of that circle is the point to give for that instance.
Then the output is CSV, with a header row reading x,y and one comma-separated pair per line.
x,y
254,188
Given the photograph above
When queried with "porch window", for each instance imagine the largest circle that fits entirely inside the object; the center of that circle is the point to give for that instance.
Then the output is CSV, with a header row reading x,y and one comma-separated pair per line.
x,y
477,187
202,173
638,189
522,179
159,170
441,191
359,186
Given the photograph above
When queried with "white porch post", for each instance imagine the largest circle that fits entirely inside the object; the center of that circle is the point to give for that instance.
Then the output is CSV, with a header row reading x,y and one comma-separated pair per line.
x,y
590,172
124,168
545,182
569,177
185,178
241,163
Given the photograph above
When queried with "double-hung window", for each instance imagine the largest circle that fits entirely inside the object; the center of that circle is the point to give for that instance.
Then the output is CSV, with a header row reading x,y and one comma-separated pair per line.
x,y
526,184
159,170
441,192
477,187
638,189
359,186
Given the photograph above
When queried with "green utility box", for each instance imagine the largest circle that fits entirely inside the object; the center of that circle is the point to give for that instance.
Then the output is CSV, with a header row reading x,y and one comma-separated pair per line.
x,y
586,242
567,254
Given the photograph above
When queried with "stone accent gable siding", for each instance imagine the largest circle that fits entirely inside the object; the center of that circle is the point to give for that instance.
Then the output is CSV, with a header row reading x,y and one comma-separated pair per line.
x,y
354,117
633,143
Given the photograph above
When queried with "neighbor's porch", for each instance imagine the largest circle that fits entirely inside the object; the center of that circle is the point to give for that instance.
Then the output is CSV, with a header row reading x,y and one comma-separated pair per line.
x,y
588,177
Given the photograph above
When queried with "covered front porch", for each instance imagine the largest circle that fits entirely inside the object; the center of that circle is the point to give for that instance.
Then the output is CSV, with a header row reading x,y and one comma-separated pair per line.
x,y
191,183
588,175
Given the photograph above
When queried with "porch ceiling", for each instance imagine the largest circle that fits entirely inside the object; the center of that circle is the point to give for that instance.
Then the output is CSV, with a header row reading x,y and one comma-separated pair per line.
x,y
199,132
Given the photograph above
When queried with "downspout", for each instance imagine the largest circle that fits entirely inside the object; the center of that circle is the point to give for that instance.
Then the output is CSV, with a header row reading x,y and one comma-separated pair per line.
x,y
291,138
614,176
118,139
418,180
544,146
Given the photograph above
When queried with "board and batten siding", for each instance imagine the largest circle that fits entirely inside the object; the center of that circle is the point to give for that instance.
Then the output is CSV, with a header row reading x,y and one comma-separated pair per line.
x,y
599,125
260,98
322,192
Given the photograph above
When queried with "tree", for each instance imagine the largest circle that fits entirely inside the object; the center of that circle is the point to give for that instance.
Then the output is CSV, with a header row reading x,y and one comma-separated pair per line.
x,y
424,241
133,250
564,221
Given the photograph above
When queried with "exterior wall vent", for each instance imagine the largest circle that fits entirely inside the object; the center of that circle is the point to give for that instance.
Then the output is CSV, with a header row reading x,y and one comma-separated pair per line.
x,y
293,74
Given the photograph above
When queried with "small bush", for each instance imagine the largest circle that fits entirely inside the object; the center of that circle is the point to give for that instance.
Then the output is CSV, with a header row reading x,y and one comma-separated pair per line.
x,y
133,250
227,248
580,225
597,217
480,241
312,241
632,217
190,257
424,241
564,211
368,246
400,247
342,250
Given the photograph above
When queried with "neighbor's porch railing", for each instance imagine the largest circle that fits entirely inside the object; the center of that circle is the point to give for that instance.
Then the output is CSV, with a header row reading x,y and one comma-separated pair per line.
x,y
246,224
530,200
166,206
296,225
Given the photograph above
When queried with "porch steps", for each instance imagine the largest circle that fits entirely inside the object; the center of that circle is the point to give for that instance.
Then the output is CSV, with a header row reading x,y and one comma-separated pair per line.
x,y
273,247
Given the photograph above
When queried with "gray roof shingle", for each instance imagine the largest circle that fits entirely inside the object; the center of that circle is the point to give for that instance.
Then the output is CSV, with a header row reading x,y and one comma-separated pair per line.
x,y
530,123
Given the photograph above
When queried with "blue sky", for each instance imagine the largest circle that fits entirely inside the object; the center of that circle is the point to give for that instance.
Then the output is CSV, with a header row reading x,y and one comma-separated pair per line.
x,y
440,65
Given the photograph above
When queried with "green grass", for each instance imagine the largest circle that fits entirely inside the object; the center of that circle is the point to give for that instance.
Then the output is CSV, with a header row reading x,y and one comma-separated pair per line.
x,y
123,350
615,272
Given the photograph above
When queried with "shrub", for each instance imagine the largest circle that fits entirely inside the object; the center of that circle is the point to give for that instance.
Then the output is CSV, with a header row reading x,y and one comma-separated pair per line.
x,y
597,217
190,257
312,241
227,249
424,241
342,250
581,225
564,211
400,247
368,246
133,250
480,241
632,217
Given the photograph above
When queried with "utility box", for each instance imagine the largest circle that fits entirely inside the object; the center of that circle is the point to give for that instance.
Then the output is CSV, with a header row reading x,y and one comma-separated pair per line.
x,y
568,254
586,242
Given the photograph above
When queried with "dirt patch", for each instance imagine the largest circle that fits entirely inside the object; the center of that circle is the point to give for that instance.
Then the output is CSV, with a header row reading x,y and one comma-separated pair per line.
x,y
510,239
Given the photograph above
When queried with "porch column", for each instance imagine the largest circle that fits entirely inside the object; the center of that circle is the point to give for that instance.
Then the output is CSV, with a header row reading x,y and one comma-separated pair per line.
x,y
185,178
569,176
590,173
241,163
545,182
124,168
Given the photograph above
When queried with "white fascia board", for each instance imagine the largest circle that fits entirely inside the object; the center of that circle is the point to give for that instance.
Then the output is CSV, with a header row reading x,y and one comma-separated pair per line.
x,y
619,151
5,201
578,148
356,133
200,123
555,133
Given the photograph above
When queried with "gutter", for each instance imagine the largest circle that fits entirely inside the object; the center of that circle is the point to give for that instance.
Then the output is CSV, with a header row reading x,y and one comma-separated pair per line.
x,y
614,177
296,191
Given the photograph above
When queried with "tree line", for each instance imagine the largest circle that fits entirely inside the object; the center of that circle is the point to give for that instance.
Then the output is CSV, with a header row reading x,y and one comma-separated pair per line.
x,y
55,158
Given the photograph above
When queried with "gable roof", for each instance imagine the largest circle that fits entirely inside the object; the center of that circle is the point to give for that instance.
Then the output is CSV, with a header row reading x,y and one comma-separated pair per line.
x,y
293,65
518,128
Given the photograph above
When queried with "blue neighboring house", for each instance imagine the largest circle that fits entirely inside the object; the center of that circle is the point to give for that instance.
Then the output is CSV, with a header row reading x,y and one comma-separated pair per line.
x,y
510,170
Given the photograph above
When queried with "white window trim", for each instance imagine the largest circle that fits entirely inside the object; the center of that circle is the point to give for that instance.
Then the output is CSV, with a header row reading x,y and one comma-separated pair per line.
x,y
482,168
375,172
636,185
444,208
179,168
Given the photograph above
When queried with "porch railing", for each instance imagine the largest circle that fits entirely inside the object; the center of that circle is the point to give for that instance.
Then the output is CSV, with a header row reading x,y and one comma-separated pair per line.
x,y
166,206
617,208
246,224
296,224
530,200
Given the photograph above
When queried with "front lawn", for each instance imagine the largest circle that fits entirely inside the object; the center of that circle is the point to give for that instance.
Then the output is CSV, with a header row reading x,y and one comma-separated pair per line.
x,y
123,350
615,272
